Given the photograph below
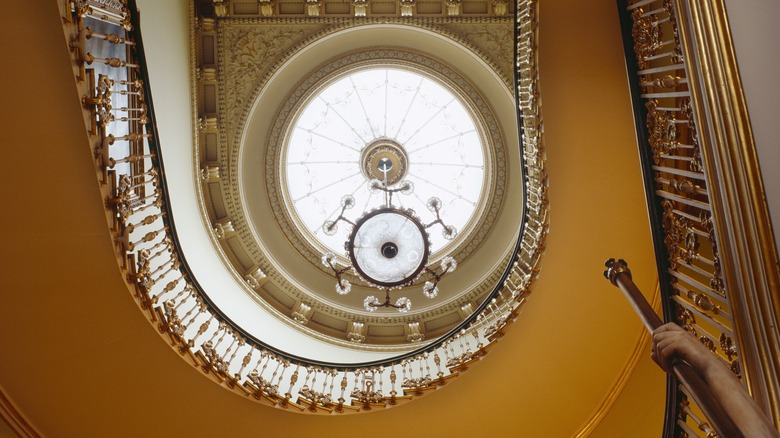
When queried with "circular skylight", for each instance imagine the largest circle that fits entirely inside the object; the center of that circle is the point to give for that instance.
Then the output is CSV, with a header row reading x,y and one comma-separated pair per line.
x,y
382,114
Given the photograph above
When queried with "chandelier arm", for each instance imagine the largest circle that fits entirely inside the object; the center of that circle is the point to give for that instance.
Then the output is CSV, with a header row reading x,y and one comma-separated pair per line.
x,y
437,221
387,302
341,217
338,272
436,275
341,271
437,210
439,276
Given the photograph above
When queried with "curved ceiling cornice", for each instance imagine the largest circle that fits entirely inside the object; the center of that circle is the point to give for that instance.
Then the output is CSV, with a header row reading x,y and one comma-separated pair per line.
x,y
276,265
259,49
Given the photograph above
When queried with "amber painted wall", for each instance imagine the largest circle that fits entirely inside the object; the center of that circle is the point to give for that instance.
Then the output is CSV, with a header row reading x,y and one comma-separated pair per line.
x,y
79,359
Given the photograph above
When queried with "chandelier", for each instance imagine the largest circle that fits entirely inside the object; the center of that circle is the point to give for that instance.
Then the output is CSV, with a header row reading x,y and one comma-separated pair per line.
x,y
388,246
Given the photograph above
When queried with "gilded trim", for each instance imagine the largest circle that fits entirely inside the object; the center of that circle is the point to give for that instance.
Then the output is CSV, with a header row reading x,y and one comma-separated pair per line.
x,y
14,419
741,218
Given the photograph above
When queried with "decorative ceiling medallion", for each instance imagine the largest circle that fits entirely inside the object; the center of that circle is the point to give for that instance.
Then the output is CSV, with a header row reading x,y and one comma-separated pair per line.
x,y
384,149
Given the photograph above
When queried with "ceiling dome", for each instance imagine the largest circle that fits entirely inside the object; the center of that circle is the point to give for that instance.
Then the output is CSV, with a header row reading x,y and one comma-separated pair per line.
x,y
316,128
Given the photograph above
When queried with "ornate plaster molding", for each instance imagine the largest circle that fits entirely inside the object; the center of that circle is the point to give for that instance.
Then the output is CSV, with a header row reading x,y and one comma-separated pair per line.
x,y
248,52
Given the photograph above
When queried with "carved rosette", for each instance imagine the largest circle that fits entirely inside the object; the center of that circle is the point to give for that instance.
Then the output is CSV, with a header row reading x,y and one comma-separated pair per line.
x,y
647,36
662,131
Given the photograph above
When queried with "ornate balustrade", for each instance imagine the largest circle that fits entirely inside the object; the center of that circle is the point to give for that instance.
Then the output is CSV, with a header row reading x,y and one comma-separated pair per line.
x,y
684,196
109,58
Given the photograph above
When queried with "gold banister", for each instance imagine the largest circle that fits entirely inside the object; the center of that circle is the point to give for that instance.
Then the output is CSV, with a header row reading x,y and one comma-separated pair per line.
x,y
130,169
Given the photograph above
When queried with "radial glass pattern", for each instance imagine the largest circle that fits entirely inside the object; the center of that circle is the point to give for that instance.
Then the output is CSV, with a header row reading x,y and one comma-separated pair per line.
x,y
428,131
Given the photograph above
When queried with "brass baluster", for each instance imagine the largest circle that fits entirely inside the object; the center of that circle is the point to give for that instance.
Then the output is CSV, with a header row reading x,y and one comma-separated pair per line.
x,y
110,38
129,159
89,59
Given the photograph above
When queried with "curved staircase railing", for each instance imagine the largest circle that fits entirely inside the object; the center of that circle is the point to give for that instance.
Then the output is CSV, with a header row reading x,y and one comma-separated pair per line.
x,y
108,53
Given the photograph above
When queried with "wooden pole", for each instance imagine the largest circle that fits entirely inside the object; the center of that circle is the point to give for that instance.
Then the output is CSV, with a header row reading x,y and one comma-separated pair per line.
x,y
618,274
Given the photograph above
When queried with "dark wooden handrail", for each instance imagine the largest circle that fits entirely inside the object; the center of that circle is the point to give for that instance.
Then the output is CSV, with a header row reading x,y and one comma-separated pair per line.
x,y
618,274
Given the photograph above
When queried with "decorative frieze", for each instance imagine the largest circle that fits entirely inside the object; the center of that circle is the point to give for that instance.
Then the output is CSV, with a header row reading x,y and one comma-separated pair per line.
x,y
407,7
210,173
256,278
301,312
414,332
224,229
356,331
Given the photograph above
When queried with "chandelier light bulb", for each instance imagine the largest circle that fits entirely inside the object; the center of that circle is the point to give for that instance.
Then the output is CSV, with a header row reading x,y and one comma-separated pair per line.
x,y
348,201
343,287
434,204
430,290
367,303
448,264
328,258
449,232
329,228
374,185
403,304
